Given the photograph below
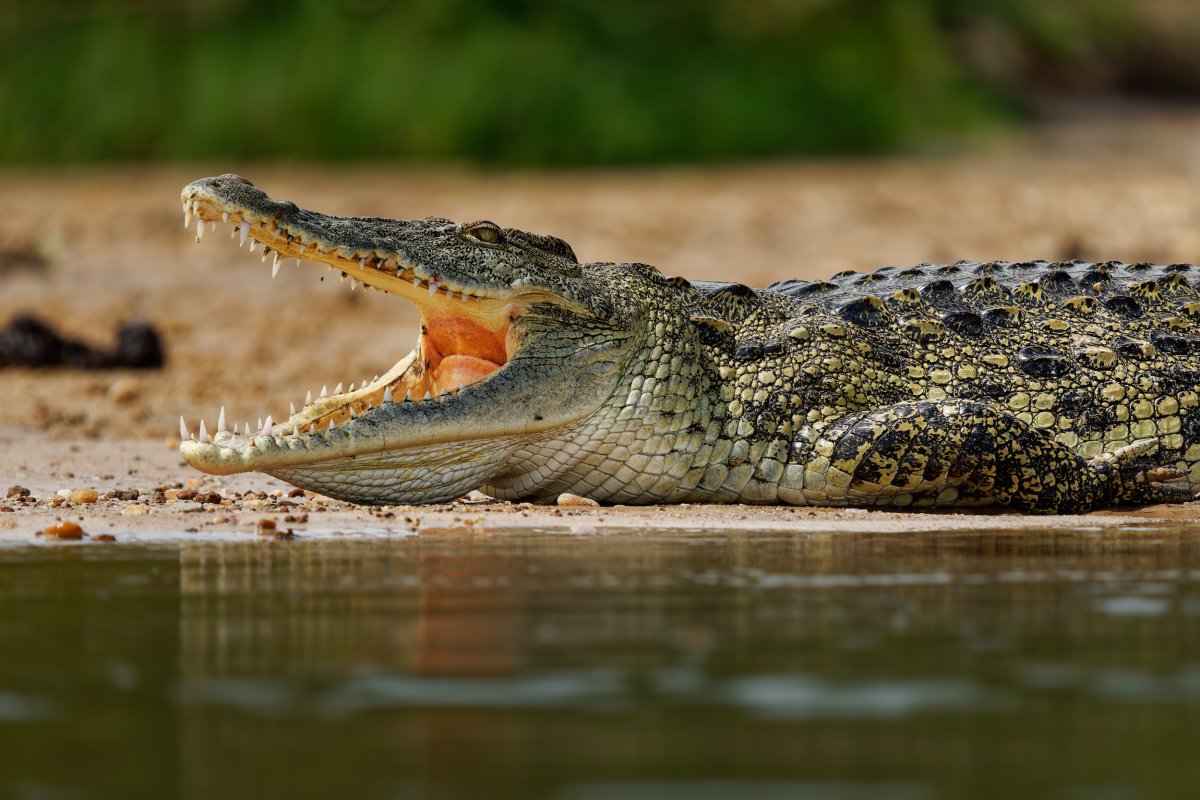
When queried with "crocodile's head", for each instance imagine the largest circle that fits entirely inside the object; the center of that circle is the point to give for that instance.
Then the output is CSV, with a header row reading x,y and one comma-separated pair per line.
x,y
516,342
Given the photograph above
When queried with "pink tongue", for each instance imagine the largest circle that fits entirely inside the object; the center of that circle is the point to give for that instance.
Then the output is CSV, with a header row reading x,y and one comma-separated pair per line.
x,y
457,371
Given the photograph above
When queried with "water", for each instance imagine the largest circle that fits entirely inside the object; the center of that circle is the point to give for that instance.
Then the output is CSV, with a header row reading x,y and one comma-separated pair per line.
x,y
690,665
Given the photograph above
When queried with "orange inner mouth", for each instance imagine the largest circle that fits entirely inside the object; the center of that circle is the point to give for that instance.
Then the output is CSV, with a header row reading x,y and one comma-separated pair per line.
x,y
457,352
454,352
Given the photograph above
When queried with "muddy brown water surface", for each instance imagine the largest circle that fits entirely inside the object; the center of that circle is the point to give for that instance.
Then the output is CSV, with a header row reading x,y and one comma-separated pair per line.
x,y
537,662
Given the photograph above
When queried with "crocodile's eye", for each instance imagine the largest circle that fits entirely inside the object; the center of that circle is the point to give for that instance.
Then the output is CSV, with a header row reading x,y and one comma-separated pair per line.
x,y
486,232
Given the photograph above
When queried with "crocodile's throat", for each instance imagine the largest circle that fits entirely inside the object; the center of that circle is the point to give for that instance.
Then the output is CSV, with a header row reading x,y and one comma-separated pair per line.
x,y
466,332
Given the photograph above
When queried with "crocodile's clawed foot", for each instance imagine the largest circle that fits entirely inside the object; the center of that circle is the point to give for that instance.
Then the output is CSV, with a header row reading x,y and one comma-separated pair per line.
x,y
1168,493
1147,483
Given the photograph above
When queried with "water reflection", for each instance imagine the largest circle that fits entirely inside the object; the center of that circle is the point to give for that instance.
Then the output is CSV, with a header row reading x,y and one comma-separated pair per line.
x,y
697,664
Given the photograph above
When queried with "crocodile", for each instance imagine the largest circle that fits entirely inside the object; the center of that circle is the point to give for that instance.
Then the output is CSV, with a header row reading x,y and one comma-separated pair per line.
x,y
1045,387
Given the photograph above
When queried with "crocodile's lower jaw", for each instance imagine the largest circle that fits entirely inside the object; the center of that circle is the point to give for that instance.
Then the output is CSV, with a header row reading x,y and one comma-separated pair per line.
x,y
335,440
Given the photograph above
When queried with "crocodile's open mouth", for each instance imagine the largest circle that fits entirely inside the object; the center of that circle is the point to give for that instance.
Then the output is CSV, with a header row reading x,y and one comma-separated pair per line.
x,y
466,332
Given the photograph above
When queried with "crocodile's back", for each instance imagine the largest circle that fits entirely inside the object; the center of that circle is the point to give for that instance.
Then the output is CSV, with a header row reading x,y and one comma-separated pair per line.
x,y
1097,354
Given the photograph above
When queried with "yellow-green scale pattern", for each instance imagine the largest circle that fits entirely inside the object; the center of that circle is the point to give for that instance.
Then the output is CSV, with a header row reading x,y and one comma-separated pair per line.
x,y
1048,387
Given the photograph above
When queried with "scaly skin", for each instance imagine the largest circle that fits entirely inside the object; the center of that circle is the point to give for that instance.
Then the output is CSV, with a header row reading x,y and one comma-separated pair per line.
x,y
1047,387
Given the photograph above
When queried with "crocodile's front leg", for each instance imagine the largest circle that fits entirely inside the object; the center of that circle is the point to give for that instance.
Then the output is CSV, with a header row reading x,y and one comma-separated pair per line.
x,y
943,453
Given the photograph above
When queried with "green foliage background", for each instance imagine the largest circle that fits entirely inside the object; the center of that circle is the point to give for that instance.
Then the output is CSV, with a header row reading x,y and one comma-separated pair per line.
x,y
530,83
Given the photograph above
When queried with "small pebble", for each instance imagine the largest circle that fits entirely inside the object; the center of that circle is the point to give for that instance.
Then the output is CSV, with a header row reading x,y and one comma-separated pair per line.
x,y
123,390
64,530
105,537
266,527
186,506
83,495
568,499
136,509
18,491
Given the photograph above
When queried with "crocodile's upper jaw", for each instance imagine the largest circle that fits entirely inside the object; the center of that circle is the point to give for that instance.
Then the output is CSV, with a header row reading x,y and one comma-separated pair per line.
x,y
459,388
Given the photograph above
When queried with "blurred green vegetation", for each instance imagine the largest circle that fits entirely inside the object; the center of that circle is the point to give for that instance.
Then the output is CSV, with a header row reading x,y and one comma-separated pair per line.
x,y
568,82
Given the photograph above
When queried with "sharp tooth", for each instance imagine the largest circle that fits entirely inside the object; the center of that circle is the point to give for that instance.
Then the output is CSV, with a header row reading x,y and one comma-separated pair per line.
x,y
387,395
293,408
187,214
433,287
253,244
235,429
416,282
199,228
203,434
351,389
221,421
244,230
295,430
308,398
212,226
408,396
267,425
301,250
266,252
232,230
224,216
324,392
332,424
338,389
275,266
183,431
427,396
259,428
353,284
352,414
278,232
362,262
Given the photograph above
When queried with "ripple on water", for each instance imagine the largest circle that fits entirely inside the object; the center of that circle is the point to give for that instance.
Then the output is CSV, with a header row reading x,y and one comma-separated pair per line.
x,y
1132,606
803,697
778,696
23,708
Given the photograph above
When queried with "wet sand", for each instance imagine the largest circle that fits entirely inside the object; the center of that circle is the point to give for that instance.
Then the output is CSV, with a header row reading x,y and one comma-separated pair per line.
x,y
88,249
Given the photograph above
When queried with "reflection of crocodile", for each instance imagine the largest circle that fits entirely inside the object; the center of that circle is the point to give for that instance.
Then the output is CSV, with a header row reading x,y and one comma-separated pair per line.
x,y
1045,387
